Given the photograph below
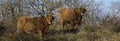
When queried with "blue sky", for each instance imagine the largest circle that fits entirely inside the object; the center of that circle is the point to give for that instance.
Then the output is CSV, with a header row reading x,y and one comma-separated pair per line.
x,y
105,5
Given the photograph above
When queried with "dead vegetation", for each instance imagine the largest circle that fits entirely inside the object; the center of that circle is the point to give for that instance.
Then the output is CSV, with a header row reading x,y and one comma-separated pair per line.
x,y
105,31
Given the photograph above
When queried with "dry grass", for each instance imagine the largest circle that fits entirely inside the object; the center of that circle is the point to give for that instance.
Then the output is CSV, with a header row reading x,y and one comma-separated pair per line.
x,y
106,31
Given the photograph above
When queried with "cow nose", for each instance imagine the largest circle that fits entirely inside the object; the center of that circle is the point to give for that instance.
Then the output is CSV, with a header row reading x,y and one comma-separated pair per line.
x,y
49,22
82,14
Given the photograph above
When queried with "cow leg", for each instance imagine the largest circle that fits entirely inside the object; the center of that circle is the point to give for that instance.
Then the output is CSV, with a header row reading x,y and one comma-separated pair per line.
x,y
19,30
63,25
73,27
45,30
79,23
73,24
40,35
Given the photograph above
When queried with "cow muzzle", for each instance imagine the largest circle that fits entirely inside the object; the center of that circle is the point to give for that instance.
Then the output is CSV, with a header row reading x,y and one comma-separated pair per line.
x,y
49,22
82,14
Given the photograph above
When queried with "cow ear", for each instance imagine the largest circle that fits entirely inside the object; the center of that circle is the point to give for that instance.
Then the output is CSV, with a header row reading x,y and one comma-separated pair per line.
x,y
62,9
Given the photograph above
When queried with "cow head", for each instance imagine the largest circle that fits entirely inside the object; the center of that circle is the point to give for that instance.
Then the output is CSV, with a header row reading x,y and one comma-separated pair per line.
x,y
80,10
49,18
62,9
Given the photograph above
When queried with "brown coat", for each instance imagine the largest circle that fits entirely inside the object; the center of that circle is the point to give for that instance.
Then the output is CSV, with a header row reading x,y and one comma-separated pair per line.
x,y
34,24
71,16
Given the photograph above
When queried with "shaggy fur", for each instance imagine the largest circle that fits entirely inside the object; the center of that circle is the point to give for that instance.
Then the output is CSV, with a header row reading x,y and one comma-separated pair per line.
x,y
71,16
34,24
